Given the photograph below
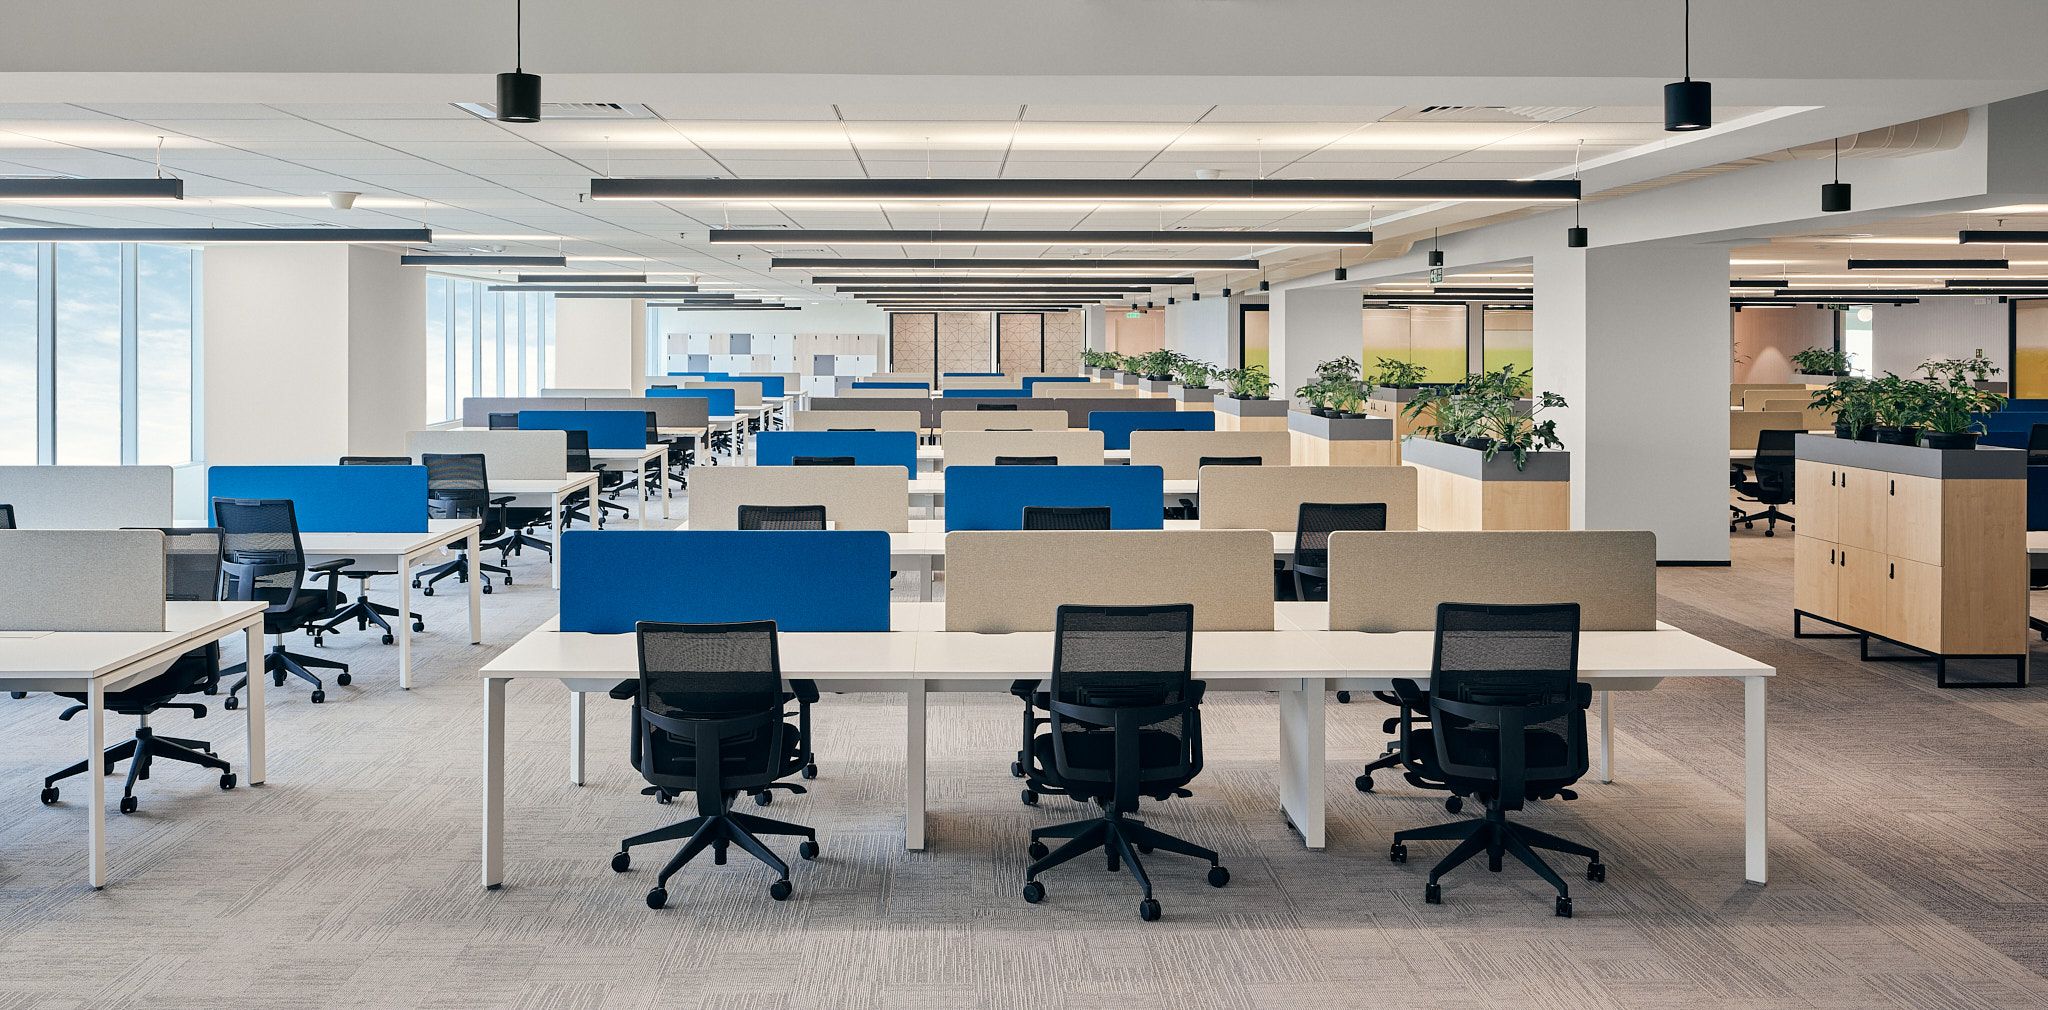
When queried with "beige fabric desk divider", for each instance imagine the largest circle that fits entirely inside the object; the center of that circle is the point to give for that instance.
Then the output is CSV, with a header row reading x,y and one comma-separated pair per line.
x,y
82,580
880,420
999,581
477,410
1063,390
1761,399
855,497
549,392
979,382
1394,581
1743,425
669,411
1270,497
1179,453
1778,390
986,420
744,394
87,497
1813,418
508,455
1073,446
879,393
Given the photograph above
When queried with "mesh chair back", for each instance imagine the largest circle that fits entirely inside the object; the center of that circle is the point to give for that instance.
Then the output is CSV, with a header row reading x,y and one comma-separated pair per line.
x,y
821,461
782,517
1131,658
6,517
653,428
995,406
1027,461
1519,657
708,672
579,450
261,556
1203,461
1775,462
499,422
1314,523
459,487
1080,517
376,461
192,563
2037,445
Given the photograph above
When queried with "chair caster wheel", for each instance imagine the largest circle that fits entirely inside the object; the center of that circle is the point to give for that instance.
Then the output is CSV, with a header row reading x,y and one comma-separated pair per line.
x,y
808,849
810,771
1596,871
1363,783
663,798
416,583
1038,850
657,897
388,639
1767,533
128,804
1030,798
487,589
763,798
1016,769
227,781
232,703
319,642
508,581
1453,804
781,890
1433,893
1564,907
621,862
1034,892
1218,876
429,591
49,795
319,696
1144,849
277,680
1343,697
1397,854
343,678
1148,910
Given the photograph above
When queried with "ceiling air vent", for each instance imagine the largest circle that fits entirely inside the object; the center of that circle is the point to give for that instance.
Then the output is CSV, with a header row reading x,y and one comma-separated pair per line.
x,y
567,110
1479,114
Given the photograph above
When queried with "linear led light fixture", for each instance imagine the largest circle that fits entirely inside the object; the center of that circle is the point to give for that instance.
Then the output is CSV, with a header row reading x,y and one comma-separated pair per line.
x,y
381,236
998,280
1760,283
1106,190
679,299
1929,264
1880,293
640,289
971,263
984,292
92,189
981,308
2002,237
1996,282
718,308
1788,303
582,278
1505,292
969,236
477,260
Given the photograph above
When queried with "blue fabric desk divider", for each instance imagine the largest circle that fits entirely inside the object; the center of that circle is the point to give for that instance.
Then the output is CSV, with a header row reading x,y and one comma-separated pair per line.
x,y
2027,406
609,429
892,385
2013,420
2037,498
1116,425
721,404
803,580
1036,379
2004,439
771,385
970,375
983,392
868,448
712,376
994,497
332,499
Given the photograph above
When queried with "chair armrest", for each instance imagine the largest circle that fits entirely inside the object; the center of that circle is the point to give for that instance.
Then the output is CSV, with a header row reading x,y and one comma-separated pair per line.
x,y
507,500
1196,689
331,566
625,690
1410,694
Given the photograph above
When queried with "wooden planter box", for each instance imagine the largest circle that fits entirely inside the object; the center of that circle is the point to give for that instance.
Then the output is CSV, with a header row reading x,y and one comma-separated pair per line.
x,y
1460,489
1340,441
1249,415
1192,399
1390,403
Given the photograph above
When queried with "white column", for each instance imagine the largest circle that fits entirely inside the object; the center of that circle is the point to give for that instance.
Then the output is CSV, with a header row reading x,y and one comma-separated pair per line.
x,y
1312,324
600,343
1636,339
1200,329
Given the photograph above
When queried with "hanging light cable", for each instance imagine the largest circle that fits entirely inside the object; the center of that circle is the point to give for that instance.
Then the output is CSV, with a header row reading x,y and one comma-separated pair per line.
x,y
518,91
1834,196
1688,104
1575,236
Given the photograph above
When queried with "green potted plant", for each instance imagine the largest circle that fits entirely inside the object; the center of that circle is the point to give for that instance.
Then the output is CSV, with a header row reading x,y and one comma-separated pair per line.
x,y
1251,382
1394,377
1823,361
1952,404
1155,365
1853,403
1897,408
1317,393
1193,373
1485,412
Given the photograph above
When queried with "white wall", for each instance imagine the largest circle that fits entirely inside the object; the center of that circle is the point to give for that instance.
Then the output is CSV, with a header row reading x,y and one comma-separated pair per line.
x,y
1766,340
1309,325
1903,336
1200,329
830,317
600,343
387,347
277,353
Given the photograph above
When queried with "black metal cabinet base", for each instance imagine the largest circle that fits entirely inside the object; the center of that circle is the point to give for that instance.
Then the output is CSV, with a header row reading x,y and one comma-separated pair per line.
x,y
1945,664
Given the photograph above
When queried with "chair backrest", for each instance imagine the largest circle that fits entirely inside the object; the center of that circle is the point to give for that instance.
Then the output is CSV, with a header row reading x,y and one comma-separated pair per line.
x,y
376,461
653,427
1129,657
500,422
459,487
2037,445
995,406
1522,656
192,562
1052,517
848,429
698,684
6,517
1776,461
1317,520
821,461
578,441
261,555
782,517
1202,461
1027,461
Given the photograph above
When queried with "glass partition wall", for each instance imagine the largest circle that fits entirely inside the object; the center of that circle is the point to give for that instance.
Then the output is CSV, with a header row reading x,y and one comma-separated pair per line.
x,y
484,343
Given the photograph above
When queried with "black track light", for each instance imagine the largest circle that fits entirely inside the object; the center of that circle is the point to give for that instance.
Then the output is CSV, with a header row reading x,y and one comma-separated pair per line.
x,y
1169,299
1834,196
518,91
1575,236
1688,104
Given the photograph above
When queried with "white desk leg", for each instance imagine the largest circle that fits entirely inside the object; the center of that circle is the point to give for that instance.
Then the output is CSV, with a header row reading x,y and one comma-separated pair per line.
x,y
96,781
555,532
1303,759
1606,737
913,767
258,744
668,487
1756,805
494,782
576,707
640,488
476,591
405,622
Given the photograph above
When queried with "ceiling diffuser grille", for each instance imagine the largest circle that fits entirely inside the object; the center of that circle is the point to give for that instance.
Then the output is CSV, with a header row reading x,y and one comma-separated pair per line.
x,y
567,110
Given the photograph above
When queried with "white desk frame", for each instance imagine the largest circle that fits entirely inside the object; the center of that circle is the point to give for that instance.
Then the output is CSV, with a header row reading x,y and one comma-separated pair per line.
x,y
654,456
555,492
403,551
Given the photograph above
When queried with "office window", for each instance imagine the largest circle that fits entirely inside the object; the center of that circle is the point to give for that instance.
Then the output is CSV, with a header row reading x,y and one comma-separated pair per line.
x,y
1508,338
163,353
88,353
467,370
490,351
17,354
437,349
483,343
1432,336
1856,338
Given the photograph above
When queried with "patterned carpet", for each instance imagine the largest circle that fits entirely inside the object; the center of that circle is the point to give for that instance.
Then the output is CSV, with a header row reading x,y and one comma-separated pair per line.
x,y
1906,862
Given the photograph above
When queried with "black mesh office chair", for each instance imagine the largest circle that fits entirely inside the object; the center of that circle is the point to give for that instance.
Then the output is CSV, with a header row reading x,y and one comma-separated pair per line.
x,y
579,461
1313,524
459,487
995,406
707,719
192,571
1064,517
2037,445
849,429
1125,723
791,517
1773,484
1188,509
502,422
822,461
1508,721
1046,517
1027,461
362,609
263,561
6,517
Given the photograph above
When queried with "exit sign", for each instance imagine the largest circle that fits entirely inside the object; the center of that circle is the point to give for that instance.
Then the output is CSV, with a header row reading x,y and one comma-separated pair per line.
x,y
1436,275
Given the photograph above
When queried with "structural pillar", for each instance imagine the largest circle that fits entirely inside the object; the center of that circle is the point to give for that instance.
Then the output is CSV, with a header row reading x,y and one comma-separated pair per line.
x,y
600,343
1310,325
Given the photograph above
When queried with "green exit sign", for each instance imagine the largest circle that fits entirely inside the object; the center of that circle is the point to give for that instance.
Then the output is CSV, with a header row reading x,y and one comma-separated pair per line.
x,y
1134,315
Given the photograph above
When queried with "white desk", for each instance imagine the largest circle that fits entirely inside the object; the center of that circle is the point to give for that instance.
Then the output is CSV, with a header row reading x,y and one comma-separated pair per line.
x,y
653,455
96,662
554,492
402,551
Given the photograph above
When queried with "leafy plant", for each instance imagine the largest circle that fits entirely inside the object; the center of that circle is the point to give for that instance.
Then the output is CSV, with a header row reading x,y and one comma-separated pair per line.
x,y
1338,368
1251,382
1821,361
1397,374
1193,373
1975,368
1156,365
1486,408
1852,401
1316,392
1897,402
1950,401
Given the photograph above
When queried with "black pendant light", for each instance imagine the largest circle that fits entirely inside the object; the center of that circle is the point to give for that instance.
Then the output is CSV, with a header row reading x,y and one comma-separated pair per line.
x,y
1436,255
1226,293
1688,104
1834,196
518,91
1196,297
1575,236
1341,274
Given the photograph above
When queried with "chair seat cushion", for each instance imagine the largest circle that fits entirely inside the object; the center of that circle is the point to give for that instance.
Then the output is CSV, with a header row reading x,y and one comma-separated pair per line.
x,y
1156,749
311,604
1541,749
678,760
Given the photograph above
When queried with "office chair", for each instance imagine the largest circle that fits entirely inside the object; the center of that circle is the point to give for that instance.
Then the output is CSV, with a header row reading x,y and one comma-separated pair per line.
x,y
192,571
263,561
995,406
1125,723
2037,445
1046,517
580,462
1508,721
502,422
6,517
459,487
1313,524
791,517
822,461
1188,509
707,719
1773,485
362,610
1027,461
849,429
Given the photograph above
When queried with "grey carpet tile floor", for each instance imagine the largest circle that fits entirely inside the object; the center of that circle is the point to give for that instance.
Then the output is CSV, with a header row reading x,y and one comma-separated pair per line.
x,y
1907,867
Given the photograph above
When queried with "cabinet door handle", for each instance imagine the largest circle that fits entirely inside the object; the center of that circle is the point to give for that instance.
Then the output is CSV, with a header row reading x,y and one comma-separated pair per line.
x,y
1831,555
1892,570
1894,488
1831,478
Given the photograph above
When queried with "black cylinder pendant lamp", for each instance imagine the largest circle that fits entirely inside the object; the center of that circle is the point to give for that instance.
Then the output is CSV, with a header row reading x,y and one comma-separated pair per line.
x,y
1834,196
1688,104
518,91
1575,236
1436,256
1341,274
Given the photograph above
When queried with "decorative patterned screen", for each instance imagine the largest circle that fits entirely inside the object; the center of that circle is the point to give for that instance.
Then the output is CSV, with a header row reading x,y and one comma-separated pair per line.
x,y
912,336
1064,332
1020,341
964,344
